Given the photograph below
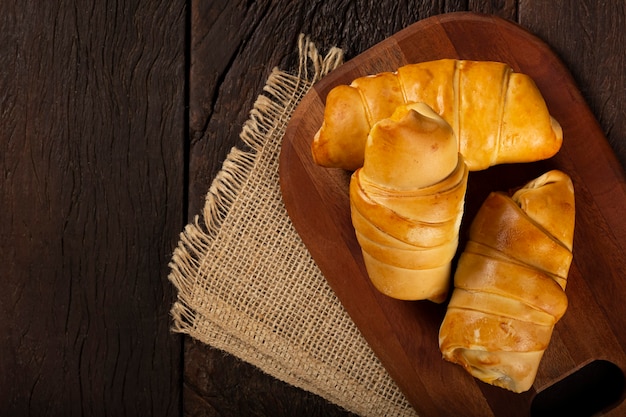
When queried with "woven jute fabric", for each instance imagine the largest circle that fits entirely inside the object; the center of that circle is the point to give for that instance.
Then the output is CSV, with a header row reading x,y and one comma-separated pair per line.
x,y
246,283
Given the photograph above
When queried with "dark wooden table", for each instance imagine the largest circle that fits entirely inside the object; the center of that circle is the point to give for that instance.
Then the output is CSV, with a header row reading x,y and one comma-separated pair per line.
x,y
114,119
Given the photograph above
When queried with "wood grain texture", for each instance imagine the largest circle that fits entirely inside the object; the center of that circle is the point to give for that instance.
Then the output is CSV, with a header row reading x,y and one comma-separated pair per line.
x,y
91,156
404,334
219,384
234,46
589,37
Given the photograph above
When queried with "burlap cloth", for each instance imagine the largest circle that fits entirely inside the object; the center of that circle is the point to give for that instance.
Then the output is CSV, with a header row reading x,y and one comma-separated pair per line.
x,y
247,284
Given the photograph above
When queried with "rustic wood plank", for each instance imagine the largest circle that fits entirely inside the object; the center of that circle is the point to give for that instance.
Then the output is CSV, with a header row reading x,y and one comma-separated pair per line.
x,y
234,46
218,384
506,9
590,39
92,163
317,201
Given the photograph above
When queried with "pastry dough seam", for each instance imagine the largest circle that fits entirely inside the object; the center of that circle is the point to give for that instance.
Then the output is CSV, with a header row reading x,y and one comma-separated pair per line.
x,y
507,258
504,297
537,225
456,106
503,96
368,111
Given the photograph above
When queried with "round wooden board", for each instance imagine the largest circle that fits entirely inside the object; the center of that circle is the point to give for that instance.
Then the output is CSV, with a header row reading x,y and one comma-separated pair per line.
x,y
404,334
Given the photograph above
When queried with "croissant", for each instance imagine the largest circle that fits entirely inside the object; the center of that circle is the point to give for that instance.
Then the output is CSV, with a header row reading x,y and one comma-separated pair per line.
x,y
499,116
407,202
509,285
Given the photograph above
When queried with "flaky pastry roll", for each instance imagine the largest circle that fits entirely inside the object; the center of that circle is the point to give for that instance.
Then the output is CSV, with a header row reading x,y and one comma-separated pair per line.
x,y
407,202
509,285
499,116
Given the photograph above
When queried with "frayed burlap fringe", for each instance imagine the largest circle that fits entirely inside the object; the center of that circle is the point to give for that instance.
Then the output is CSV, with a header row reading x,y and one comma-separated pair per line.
x,y
246,283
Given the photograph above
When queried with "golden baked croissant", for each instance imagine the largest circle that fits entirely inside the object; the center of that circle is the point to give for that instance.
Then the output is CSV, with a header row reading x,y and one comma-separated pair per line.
x,y
499,116
509,285
407,202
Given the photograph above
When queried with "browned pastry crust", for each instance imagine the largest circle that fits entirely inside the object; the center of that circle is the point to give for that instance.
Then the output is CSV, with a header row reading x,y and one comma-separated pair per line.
x,y
498,115
509,286
407,202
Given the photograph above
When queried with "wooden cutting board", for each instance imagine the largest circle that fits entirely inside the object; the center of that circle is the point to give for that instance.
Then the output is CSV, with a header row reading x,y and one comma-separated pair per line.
x,y
404,334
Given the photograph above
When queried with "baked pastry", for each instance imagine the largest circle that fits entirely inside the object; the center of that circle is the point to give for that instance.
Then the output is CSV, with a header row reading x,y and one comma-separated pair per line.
x,y
407,202
499,116
509,285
